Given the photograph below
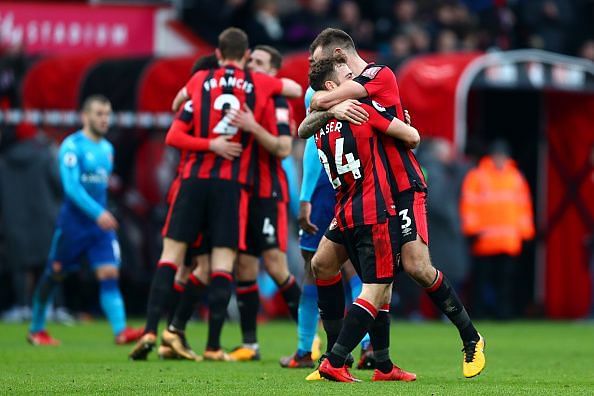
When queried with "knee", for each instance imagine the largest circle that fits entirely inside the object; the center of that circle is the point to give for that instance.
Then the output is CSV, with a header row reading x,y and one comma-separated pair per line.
x,y
55,271
276,265
321,269
108,272
375,294
418,267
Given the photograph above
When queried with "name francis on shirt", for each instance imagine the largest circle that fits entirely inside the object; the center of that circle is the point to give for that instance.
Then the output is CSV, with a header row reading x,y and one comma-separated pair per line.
x,y
229,81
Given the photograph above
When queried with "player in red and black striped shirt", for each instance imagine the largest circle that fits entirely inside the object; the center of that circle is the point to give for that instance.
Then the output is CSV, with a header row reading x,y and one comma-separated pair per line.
x,y
364,215
267,224
210,187
378,83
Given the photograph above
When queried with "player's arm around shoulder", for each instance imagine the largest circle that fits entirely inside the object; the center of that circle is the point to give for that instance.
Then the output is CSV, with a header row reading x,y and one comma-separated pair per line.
x,y
404,132
324,100
392,126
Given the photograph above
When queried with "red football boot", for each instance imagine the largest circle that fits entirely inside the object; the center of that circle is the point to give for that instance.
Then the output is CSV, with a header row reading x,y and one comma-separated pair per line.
x,y
332,373
397,374
42,338
128,336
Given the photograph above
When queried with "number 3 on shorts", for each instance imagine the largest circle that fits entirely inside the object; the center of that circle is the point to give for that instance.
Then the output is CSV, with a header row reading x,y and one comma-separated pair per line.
x,y
406,221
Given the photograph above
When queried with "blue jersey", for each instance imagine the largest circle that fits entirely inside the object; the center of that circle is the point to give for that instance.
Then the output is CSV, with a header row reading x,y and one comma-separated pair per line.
x,y
85,167
314,176
315,188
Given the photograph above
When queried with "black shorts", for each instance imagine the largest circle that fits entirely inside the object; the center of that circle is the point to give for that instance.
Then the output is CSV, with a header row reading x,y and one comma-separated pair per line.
x,y
373,249
202,206
199,247
412,216
267,226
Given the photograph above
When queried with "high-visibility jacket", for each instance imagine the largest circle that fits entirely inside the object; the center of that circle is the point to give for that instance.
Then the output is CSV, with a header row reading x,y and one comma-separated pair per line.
x,y
496,209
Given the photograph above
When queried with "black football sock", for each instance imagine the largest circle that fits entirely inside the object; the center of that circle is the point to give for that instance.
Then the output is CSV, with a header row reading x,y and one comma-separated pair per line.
x,y
446,299
248,302
159,295
178,291
193,292
291,294
331,306
357,322
218,300
379,333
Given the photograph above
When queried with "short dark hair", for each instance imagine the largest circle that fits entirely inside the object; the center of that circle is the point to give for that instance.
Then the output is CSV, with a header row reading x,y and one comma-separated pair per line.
x,y
89,100
233,42
276,59
331,38
324,70
205,62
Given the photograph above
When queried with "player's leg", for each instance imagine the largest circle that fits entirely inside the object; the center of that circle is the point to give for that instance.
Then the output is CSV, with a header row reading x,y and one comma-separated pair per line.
x,y
227,210
248,302
179,285
326,265
195,288
174,341
246,290
274,225
308,316
417,264
67,246
104,257
182,227
366,360
359,318
373,252
42,296
379,332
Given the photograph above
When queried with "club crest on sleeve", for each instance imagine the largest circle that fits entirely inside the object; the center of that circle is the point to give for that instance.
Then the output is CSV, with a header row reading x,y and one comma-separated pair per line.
x,y
282,116
70,159
371,72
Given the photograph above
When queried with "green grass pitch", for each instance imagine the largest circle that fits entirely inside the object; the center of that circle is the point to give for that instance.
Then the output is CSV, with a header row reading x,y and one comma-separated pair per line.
x,y
529,358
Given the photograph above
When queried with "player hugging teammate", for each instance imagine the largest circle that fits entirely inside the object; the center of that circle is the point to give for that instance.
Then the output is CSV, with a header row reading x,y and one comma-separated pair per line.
x,y
231,189
233,128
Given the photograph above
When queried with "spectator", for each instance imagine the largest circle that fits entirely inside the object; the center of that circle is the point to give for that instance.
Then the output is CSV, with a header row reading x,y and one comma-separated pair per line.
x,y
446,42
548,21
402,19
587,50
446,172
420,40
497,217
30,191
264,27
400,51
349,20
302,27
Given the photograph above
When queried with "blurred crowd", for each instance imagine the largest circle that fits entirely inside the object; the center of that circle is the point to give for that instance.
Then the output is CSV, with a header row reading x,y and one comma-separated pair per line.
x,y
399,29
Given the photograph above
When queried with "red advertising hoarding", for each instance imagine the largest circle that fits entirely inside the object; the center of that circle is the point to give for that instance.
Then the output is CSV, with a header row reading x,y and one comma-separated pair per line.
x,y
42,28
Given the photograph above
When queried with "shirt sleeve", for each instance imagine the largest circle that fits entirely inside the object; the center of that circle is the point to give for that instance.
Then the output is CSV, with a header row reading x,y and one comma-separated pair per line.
x,y
311,170
375,79
270,86
282,115
379,118
308,95
74,190
180,135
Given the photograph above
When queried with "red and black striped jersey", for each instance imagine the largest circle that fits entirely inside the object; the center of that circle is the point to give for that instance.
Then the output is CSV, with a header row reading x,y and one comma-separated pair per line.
x,y
270,179
404,170
213,93
350,154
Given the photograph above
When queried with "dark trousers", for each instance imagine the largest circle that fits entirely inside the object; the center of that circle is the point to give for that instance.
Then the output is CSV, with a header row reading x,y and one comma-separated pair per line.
x,y
494,287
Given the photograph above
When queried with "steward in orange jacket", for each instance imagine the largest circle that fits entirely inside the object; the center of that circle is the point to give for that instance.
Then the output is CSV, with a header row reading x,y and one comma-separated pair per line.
x,y
496,208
